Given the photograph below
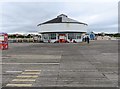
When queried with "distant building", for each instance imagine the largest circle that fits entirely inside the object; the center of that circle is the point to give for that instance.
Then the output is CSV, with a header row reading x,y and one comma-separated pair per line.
x,y
62,29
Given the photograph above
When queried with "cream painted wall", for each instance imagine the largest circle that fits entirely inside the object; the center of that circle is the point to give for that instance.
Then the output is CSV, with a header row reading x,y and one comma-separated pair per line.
x,y
61,27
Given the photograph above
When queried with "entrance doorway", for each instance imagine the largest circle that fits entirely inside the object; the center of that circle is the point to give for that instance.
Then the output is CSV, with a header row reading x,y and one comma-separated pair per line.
x,y
62,38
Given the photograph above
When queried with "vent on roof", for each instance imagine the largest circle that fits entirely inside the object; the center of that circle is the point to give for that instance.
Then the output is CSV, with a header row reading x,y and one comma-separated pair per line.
x,y
62,15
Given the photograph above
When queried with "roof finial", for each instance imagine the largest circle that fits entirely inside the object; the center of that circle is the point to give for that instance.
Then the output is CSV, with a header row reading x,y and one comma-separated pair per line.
x,y
62,15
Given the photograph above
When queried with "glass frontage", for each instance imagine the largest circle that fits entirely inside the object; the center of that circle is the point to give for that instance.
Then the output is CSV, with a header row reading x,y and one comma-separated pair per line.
x,y
45,37
71,36
52,36
74,35
78,35
49,36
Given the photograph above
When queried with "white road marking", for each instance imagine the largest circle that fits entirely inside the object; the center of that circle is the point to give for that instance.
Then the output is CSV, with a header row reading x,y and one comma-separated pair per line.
x,y
13,71
36,56
19,85
31,73
24,80
25,76
31,63
33,70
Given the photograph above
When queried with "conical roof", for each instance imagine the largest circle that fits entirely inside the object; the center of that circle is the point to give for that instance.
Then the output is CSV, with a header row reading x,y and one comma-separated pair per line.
x,y
62,19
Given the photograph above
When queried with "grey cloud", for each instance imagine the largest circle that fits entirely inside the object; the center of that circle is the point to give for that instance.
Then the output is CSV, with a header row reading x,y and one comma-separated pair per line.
x,y
25,16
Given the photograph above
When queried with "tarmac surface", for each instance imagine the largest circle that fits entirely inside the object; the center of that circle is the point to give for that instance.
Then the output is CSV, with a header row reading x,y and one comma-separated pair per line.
x,y
61,64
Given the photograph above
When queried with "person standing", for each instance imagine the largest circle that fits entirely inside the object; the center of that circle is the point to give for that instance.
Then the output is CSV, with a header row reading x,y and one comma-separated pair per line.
x,y
87,39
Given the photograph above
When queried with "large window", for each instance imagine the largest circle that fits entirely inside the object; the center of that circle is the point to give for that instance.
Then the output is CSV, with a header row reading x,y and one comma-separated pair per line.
x,y
52,36
71,36
45,36
74,36
78,35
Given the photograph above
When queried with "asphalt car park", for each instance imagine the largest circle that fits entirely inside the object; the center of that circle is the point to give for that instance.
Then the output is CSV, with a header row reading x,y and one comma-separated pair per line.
x,y
61,64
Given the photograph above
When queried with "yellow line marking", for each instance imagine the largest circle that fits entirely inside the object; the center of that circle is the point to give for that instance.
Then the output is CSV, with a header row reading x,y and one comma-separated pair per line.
x,y
31,73
33,70
24,76
24,80
19,85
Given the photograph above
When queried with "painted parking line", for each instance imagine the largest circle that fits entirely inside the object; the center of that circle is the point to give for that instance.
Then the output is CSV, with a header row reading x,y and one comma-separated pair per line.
x,y
31,73
33,70
25,76
23,80
21,71
19,85
13,71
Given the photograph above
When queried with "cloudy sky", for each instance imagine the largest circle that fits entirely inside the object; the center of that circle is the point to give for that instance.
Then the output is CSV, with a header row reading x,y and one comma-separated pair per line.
x,y
24,16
